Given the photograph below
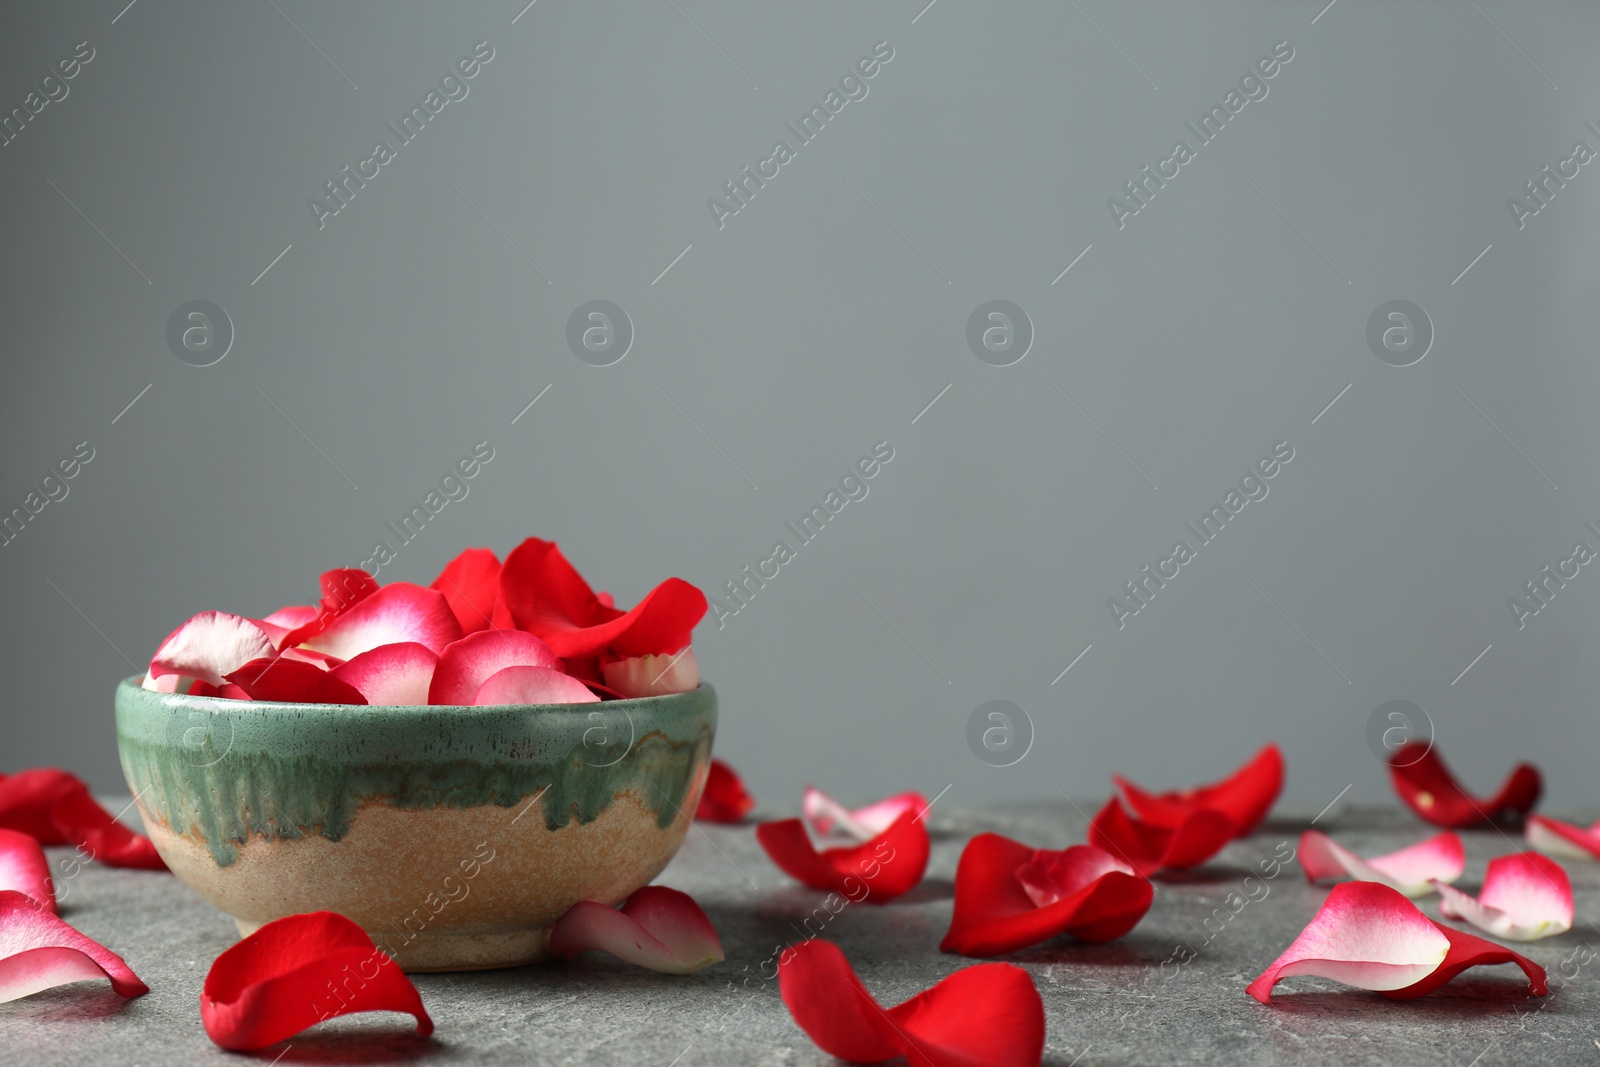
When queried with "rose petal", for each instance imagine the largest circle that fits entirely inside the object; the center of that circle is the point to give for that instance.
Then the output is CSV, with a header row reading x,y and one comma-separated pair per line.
x,y
1149,847
1365,935
1411,870
1469,951
293,615
1525,897
81,821
532,685
28,797
548,598
1244,797
25,869
988,1014
398,612
470,583
826,814
1009,896
725,798
296,972
397,674
293,682
342,590
888,865
210,646
1563,838
649,676
1428,788
657,928
39,951
466,664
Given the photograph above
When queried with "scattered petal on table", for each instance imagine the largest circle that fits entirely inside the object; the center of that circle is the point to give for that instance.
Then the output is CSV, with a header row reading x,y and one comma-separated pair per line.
x,y
725,798
39,951
826,814
1009,896
988,1014
25,869
1149,847
1411,870
1467,950
1525,897
1563,838
299,971
874,871
83,822
1244,797
1425,783
658,928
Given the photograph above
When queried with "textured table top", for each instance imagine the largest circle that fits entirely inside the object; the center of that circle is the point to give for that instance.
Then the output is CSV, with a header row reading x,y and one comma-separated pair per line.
x,y
1105,1004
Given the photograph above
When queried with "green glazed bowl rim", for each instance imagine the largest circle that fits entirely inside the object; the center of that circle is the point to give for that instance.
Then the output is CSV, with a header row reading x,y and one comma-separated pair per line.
x,y
200,703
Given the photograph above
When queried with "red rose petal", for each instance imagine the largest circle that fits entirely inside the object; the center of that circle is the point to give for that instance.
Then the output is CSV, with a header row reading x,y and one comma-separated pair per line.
x,y
1563,838
1088,893
296,972
657,928
210,646
1149,847
342,590
547,597
397,674
398,612
725,798
532,685
987,1014
470,583
466,664
649,676
888,865
1412,870
293,682
39,951
826,814
1244,797
1428,788
28,797
25,869
1466,951
81,821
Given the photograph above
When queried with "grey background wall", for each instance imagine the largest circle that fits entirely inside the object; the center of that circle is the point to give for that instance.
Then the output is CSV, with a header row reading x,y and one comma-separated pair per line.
x,y
772,351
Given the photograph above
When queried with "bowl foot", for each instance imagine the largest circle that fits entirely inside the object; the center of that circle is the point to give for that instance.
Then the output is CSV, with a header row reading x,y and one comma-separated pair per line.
x,y
430,952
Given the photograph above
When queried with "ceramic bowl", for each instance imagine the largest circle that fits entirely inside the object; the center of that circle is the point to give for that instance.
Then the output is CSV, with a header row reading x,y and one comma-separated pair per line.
x,y
453,835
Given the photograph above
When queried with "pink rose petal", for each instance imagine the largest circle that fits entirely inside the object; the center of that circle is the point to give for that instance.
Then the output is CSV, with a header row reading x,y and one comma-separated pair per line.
x,y
39,951
24,868
1411,870
397,674
658,928
827,815
533,685
1366,935
1525,897
210,646
1564,839
395,613
649,676
466,664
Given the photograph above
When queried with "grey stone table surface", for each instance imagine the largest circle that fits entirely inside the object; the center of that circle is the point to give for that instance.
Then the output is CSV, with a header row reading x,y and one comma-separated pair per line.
x,y
1171,992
